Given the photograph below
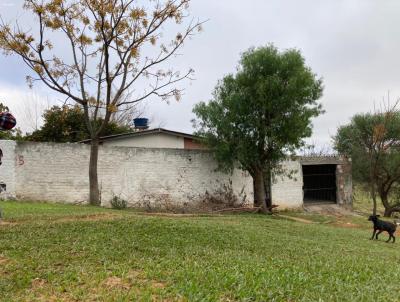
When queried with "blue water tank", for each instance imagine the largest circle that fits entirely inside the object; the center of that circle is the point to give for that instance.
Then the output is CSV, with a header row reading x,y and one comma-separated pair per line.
x,y
141,123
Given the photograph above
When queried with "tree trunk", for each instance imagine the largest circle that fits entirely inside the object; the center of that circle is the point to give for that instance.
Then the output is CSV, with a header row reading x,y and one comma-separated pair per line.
x,y
372,190
268,188
385,201
259,191
387,212
94,193
390,210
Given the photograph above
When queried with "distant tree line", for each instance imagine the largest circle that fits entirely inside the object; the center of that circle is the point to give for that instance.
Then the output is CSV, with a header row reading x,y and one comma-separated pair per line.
x,y
63,124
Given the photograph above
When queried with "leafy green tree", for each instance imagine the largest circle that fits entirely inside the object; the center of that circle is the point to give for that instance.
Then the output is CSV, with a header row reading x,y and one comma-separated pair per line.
x,y
372,140
67,124
260,115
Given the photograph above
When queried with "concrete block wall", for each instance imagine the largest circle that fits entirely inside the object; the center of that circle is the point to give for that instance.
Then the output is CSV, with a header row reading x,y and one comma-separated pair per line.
x,y
142,176
156,176
287,188
7,169
52,172
344,182
59,173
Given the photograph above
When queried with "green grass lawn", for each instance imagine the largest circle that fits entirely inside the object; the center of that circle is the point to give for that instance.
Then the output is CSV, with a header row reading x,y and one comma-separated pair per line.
x,y
72,253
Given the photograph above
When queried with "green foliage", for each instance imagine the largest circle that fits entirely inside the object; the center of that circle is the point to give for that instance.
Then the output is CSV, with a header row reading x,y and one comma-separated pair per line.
x,y
358,139
13,134
118,203
67,124
122,256
264,111
373,143
4,108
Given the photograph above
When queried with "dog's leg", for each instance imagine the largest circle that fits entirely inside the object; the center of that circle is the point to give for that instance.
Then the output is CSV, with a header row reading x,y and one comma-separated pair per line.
x,y
373,234
376,237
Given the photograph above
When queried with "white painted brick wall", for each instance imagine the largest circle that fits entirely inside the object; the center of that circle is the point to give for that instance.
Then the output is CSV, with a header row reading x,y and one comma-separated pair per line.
x,y
7,169
174,175
52,172
287,192
59,172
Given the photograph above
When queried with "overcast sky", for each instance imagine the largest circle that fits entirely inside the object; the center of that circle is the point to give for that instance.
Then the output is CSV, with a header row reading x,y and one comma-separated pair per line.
x,y
354,45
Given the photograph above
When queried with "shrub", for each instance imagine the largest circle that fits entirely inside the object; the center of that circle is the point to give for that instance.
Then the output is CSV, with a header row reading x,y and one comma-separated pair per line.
x,y
118,203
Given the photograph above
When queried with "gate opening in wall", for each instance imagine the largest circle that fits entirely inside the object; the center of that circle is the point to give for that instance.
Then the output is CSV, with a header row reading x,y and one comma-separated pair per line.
x,y
319,183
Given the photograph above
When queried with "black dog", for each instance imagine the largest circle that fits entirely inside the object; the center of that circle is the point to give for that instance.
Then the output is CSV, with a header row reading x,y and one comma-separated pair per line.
x,y
381,226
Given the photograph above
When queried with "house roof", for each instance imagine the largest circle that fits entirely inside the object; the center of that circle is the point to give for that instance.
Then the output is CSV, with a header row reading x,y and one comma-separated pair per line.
x,y
143,132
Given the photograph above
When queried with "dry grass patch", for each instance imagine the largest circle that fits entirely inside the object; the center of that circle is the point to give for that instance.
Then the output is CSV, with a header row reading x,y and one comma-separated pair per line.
x,y
4,261
38,283
92,217
346,224
6,223
116,283
302,220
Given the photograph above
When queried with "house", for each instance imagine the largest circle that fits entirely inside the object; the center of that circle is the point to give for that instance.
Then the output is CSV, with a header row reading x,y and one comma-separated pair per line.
x,y
152,138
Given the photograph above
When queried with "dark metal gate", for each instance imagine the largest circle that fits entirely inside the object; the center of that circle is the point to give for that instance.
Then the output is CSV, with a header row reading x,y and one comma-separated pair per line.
x,y
319,183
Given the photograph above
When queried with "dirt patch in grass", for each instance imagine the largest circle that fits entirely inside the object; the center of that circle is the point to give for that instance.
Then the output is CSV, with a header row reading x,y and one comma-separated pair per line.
x,y
38,283
302,220
7,223
173,215
4,260
42,290
344,224
134,275
137,276
116,283
329,209
92,217
157,284
62,219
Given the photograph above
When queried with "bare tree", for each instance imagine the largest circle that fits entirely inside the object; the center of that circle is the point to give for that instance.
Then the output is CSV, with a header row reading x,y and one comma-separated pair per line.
x,y
314,150
112,43
125,114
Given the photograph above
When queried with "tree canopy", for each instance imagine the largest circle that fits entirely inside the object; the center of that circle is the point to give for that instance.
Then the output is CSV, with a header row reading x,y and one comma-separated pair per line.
x,y
260,114
372,140
67,124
